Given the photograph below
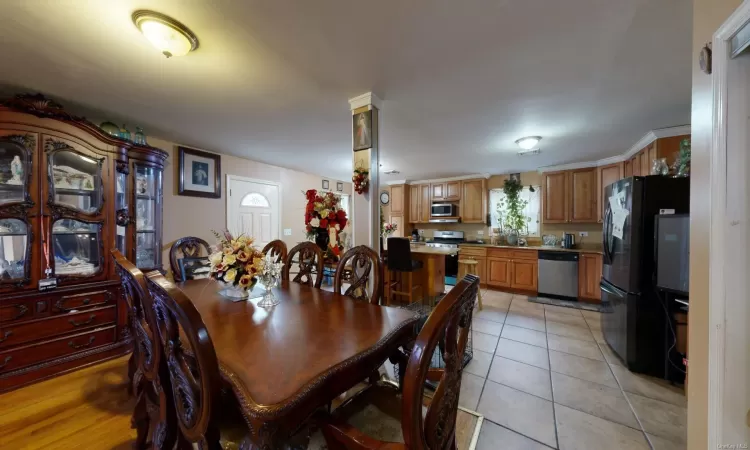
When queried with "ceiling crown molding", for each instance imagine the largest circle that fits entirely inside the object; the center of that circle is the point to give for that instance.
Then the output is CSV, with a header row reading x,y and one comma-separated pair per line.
x,y
643,142
443,180
365,99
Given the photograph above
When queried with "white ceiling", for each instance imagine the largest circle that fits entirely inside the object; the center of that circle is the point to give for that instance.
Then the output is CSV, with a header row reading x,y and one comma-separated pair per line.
x,y
460,80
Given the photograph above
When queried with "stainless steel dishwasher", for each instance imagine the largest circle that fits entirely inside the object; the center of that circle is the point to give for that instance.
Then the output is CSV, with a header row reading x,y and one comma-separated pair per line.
x,y
558,274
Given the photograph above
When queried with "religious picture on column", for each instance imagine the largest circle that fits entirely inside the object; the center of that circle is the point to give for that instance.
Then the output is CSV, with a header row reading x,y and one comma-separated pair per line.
x,y
363,130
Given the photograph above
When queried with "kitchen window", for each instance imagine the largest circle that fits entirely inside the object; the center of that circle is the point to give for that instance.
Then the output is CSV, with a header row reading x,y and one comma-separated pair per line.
x,y
532,210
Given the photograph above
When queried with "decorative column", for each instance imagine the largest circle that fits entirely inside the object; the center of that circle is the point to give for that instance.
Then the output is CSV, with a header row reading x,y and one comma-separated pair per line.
x,y
365,160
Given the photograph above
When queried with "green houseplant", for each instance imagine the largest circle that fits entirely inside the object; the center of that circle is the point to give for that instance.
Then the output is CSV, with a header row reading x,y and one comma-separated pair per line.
x,y
510,210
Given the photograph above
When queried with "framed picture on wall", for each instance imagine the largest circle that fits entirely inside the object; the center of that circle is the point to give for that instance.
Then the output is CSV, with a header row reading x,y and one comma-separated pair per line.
x,y
339,186
199,173
362,126
325,185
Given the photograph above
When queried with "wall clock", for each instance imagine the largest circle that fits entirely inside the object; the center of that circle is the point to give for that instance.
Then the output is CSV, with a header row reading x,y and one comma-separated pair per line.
x,y
385,197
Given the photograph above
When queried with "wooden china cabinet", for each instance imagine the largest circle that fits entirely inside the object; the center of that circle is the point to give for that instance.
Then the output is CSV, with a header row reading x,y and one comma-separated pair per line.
x,y
68,194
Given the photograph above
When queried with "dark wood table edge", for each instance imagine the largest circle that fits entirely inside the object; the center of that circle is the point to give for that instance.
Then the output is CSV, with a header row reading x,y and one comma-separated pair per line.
x,y
252,410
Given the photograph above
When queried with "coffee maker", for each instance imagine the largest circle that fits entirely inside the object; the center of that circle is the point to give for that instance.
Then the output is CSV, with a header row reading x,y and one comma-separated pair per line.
x,y
415,235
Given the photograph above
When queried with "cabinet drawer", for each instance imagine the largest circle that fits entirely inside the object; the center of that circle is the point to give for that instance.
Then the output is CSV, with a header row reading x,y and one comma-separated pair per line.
x,y
472,251
56,348
67,303
11,335
530,255
499,253
17,310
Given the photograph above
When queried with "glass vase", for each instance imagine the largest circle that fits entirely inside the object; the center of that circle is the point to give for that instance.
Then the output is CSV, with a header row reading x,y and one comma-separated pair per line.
x,y
269,300
234,292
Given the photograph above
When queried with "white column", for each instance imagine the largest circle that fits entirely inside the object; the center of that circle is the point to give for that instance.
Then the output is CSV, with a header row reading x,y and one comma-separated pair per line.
x,y
365,207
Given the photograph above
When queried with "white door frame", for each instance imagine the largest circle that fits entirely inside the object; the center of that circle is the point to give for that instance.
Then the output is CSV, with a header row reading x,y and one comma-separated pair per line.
x,y
719,268
259,181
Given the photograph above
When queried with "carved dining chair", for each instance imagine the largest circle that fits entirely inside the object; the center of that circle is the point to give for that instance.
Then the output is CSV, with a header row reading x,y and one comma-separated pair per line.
x,y
309,260
362,269
398,421
186,247
152,415
204,417
277,249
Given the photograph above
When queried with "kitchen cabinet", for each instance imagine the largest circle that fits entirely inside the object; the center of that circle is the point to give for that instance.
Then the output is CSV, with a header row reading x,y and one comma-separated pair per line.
x,y
413,203
569,196
583,195
473,206
449,191
627,169
589,276
606,175
498,272
420,205
555,197
524,275
398,195
645,164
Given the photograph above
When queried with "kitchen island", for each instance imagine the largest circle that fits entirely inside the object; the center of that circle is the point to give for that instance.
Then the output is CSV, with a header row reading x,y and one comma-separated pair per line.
x,y
431,277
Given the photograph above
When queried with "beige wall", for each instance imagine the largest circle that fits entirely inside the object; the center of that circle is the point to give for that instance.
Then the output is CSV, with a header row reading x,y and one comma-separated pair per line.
x,y
708,15
194,216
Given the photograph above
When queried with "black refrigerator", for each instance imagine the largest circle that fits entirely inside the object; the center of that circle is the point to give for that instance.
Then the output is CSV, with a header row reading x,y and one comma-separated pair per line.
x,y
634,320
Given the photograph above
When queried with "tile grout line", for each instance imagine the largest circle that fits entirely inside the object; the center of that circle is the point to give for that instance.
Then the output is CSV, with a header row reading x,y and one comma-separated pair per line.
x,y
638,419
551,387
516,432
481,392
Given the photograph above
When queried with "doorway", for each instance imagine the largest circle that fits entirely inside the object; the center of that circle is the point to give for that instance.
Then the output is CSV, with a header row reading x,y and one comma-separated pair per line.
x,y
253,209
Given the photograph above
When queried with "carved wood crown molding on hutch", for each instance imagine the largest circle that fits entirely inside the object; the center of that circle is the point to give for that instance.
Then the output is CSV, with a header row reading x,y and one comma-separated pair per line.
x,y
643,142
40,106
440,180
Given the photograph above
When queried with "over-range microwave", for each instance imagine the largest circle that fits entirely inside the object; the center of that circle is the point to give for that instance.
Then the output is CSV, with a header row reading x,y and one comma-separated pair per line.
x,y
444,210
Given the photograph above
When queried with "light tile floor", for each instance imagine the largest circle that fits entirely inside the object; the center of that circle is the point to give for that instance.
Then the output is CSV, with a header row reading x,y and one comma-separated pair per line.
x,y
544,378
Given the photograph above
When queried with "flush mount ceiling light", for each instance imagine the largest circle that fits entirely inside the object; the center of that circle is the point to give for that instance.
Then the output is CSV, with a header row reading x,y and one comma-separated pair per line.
x,y
528,142
169,36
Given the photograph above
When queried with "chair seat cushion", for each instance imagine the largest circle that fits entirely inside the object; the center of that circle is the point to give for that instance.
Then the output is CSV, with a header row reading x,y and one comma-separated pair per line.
x,y
376,412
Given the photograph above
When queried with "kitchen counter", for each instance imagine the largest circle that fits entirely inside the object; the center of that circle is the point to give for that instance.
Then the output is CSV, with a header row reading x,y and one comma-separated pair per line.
x,y
592,249
431,276
425,250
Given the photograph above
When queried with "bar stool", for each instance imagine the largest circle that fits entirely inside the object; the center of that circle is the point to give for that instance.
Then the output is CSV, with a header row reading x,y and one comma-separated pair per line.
x,y
466,267
400,266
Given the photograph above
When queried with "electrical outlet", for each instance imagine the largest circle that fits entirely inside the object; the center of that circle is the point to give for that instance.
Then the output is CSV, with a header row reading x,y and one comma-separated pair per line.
x,y
287,231
583,233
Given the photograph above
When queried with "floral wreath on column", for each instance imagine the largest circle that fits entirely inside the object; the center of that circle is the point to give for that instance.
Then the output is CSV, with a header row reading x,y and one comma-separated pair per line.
x,y
361,179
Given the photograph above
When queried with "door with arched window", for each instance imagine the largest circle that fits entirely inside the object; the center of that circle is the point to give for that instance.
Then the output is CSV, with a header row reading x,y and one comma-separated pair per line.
x,y
253,209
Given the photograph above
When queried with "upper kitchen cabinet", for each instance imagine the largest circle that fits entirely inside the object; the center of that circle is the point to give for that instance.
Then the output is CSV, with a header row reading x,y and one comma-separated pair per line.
x,y
420,204
583,195
569,196
398,199
555,197
448,192
606,175
473,206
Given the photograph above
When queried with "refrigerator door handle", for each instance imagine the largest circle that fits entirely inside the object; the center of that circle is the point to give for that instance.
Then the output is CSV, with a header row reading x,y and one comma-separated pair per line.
x,y
606,235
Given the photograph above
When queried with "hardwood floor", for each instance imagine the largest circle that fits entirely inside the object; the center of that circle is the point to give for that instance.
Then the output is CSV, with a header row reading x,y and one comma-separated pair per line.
x,y
87,409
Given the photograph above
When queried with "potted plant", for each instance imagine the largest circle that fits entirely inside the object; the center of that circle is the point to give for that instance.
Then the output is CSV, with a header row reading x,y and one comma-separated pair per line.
x,y
510,210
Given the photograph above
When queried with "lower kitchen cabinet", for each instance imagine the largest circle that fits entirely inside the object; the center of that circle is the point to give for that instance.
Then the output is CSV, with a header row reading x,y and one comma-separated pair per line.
x,y
524,275
498,272
479,254
589,276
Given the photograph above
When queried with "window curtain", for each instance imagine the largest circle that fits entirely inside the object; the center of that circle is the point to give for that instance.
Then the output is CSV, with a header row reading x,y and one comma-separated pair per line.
x,y
532,210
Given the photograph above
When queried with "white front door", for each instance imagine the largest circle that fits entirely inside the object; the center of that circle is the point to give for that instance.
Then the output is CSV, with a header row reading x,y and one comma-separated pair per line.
x,y
253,209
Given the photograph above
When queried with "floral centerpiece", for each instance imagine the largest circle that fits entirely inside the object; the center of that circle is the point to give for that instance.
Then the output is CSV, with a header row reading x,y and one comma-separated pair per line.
x,y
324,220
236,263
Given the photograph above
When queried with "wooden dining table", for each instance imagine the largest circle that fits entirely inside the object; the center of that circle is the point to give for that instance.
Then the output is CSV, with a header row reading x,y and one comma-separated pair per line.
x,y
285,362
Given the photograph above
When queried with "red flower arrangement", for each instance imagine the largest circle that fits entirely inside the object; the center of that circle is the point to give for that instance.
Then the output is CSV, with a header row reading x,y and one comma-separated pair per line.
x,y
361,180
323,215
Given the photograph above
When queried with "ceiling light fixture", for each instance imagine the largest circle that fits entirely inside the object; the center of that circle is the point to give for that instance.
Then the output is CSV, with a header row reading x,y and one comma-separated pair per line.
x,y
169,36
528,142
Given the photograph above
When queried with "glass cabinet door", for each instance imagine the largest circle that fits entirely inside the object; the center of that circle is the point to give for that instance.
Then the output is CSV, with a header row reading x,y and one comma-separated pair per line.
x,y
14,250
76,247
76,180
121,208
148,197
15,166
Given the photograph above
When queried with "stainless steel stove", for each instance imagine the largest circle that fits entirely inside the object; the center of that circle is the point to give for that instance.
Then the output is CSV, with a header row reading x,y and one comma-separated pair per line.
x,y
446,239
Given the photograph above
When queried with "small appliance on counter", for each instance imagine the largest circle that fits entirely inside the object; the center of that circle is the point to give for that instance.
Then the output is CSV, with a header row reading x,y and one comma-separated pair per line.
x,y
415,235
568,240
